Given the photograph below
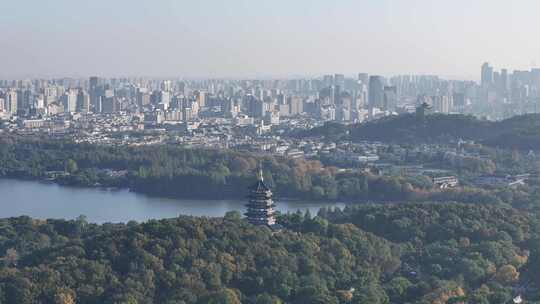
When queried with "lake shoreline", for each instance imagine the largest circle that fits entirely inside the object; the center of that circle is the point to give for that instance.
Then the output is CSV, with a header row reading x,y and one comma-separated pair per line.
x,y
151,195
47,200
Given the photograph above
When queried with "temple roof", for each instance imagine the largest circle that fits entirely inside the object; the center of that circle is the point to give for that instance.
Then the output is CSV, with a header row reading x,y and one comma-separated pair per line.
x,y
260,186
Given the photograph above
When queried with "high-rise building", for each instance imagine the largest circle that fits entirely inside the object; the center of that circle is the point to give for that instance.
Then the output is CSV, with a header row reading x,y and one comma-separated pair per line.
x,y
486,75
194,109
165,99
174,115
271,118
201,98
505,81
108,93
143,98
93,82
94,91
361,99
20,100
376,92
155,97
39,102
343,107
328,80
26,99
363,78
442,104
69,101
459,102
11,102
535,78
187,114
339,81
296,105
390,98
255,106
181,87
496,79
109,104
83,102
230,108
166,85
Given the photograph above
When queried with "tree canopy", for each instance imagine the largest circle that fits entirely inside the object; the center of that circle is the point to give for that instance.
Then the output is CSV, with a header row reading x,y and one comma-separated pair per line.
x,y
402,253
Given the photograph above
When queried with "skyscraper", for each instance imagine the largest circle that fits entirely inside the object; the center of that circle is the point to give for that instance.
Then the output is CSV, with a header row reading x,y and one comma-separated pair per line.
x,y
11,102
442,104
328,80
363,78
296,105
166,85
486,75
361,98
165,99
93,90
26,99
255,106
390,98
339,80
535,78
201,98
505,81
459,102
343,107
83,102
69,100
93,83
109,104
376,94
143,98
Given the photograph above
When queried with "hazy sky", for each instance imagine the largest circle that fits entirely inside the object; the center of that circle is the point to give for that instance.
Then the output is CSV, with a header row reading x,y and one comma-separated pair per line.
x,y
250,38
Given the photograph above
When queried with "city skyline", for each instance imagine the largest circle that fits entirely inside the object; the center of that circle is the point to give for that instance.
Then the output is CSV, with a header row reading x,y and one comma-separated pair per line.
x,y
477,78
269,151
241,39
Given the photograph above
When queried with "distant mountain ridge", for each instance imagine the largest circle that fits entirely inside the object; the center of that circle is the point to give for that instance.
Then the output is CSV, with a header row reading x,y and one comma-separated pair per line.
x,y
521,132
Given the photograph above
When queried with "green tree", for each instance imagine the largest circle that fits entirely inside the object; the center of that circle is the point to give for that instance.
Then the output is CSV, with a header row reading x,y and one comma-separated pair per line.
x,y
225,296
370,294
267,299
71,166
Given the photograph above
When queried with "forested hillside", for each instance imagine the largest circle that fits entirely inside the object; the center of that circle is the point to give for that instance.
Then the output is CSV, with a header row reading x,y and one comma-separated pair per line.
x,y
173,171
520,132
410,253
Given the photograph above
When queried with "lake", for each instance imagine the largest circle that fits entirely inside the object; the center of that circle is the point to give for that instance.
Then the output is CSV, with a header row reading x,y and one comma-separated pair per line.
x,y
48,200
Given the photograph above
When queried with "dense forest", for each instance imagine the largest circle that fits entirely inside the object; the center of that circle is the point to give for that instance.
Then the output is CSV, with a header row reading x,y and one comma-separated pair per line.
x,y
404,253
484,251
519,132
174,171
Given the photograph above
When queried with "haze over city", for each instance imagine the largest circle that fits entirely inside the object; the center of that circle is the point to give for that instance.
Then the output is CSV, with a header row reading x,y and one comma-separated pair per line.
x,y
240,38
269,152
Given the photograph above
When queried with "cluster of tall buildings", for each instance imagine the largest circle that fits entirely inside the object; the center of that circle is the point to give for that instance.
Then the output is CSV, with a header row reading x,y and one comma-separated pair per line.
x,y
328,98
50,100
333,97
502,86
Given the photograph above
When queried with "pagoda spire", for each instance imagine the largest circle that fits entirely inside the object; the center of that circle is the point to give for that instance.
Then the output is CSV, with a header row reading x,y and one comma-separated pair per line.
x,y
260,175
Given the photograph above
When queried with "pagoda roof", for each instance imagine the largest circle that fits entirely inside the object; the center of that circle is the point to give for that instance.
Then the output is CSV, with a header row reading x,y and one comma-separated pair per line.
x,y
260,186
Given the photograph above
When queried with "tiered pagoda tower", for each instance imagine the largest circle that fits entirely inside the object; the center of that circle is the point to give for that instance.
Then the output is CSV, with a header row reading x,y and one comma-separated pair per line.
x,y
260,208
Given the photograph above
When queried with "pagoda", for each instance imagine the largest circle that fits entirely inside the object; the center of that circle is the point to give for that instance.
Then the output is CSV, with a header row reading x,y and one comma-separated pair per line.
x,y
260,208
